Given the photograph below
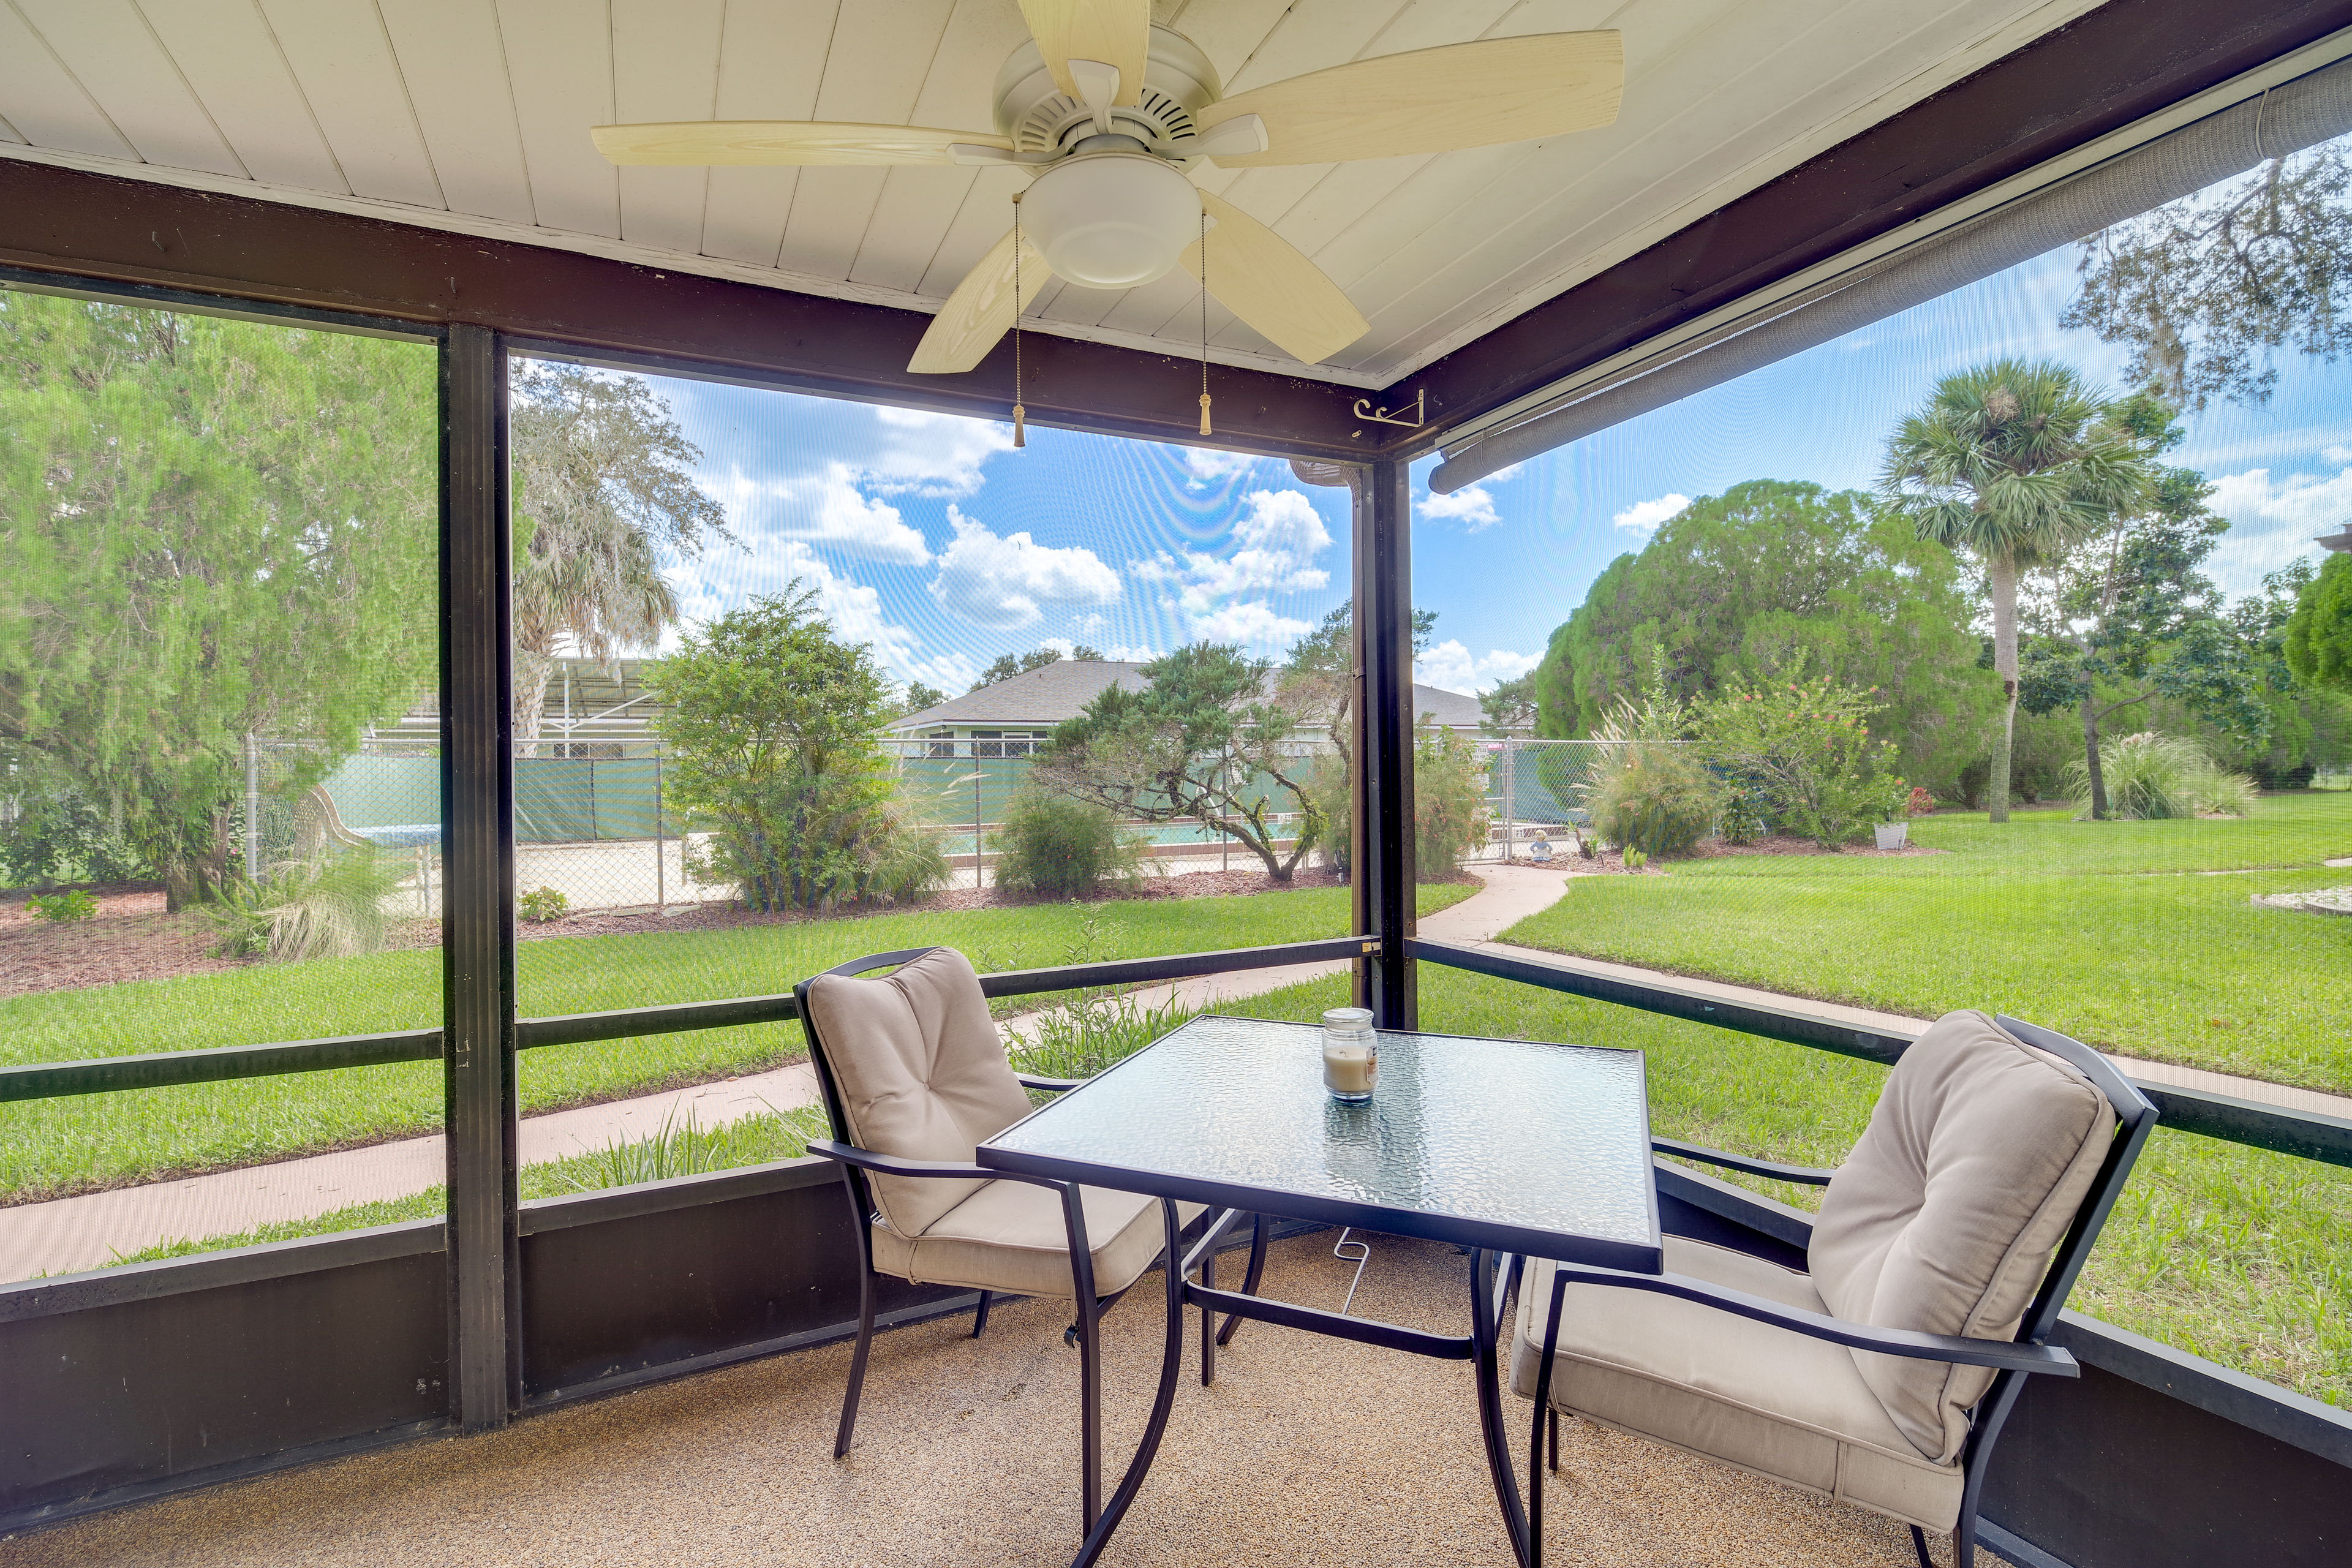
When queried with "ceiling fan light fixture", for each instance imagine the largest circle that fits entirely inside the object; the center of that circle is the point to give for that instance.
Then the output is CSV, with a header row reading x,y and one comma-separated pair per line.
x,y
1111,220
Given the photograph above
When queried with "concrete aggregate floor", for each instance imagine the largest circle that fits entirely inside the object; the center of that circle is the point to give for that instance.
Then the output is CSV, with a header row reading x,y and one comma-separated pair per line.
x,y
1305,1451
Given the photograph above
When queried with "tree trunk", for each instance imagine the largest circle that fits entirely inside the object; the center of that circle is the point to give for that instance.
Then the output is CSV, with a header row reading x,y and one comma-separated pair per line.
x,y
2091,755
532,666
2001,578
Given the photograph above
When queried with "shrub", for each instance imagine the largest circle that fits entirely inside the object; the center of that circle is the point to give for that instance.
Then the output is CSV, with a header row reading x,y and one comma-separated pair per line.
x,y
1645,791
687,1149
59,835
1094,1032
542,904
1806,746
1331,792
772,720
59,908
1921,803
1652,800
306,908
1052,844
1449,798
2150,777
2218,792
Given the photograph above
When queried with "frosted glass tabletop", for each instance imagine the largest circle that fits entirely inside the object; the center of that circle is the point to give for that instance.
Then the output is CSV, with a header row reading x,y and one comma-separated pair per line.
x,y
1526,1147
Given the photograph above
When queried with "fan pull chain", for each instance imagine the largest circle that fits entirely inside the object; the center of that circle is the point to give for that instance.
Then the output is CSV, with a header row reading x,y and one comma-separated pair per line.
x,y
1204,322
1019,414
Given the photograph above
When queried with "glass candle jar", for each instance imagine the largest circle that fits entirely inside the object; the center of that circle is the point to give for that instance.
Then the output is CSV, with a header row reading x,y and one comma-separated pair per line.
x,y
1351,1054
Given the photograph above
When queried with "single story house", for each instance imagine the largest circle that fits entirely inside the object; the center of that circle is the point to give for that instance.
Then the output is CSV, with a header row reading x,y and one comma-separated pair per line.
x,y
1010,717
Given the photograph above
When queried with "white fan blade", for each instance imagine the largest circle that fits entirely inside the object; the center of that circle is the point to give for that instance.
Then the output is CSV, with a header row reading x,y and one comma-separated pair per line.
x,y
1434,100
980,310
1267,282
715,142
1116,32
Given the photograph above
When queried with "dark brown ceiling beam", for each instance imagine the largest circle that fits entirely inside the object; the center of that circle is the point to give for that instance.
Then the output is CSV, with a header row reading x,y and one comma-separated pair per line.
x,y
2120,63
79,224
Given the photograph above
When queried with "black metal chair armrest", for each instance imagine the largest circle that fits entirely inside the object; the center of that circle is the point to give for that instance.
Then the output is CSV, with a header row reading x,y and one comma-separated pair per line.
x,y
2008,1354
1810,1175
893,1166
1051,1085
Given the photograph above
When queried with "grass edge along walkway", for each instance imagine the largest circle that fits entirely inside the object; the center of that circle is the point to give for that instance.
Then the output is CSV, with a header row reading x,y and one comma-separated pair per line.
x,y
2165,965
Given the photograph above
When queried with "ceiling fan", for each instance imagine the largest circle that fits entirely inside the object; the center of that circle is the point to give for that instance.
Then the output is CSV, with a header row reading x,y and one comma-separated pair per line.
x,y
1109,112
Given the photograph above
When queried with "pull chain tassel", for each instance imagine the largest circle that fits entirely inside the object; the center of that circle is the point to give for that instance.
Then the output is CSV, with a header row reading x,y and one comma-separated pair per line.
x,y
1020,434
1204,420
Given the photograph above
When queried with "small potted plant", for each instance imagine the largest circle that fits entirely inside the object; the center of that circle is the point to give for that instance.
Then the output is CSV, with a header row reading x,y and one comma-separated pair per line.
x,y
1895,802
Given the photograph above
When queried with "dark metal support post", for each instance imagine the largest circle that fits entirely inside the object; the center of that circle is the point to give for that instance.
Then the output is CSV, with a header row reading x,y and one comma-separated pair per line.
x,y
477,891
1383,874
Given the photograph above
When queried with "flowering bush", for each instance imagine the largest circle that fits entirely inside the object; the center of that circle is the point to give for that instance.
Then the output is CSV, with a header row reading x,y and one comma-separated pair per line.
x,y
1921,803
1805,747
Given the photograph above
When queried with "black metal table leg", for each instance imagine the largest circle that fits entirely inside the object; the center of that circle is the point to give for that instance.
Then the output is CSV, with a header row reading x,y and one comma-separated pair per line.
x,y
1249,1281
1488,1284
1536,1433
1171,1359
1208,1321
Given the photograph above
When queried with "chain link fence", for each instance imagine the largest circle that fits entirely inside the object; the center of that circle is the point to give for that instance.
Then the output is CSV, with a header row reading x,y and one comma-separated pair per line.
x,y
595,828
960,788
1535,794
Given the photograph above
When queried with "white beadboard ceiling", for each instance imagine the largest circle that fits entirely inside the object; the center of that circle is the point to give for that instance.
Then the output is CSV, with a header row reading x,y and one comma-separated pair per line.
x,y
473,115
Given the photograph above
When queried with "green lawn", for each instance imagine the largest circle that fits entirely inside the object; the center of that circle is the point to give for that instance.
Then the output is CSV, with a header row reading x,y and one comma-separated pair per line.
x,y
2227,1252
2108,932
49,1148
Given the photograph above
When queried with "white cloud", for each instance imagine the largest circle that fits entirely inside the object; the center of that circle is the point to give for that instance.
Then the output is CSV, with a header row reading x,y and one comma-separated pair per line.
x,y
1276,540
825,506
1279,538
1091,622
2339,455
1252,623
1117,653
1450,666
1203,464
950,672
931,454
1644,516
2273,522
1006,582
1473,508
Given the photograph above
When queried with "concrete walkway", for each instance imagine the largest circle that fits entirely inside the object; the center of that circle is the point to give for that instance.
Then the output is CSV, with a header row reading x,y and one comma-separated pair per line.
x,y
85,1232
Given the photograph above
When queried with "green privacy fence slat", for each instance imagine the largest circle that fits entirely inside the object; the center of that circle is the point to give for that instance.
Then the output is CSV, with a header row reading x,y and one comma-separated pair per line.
x,y
386,792
558,800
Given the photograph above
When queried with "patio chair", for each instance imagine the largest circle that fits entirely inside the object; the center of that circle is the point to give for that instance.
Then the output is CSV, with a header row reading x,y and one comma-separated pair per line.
x,y
914,1076
1883,1375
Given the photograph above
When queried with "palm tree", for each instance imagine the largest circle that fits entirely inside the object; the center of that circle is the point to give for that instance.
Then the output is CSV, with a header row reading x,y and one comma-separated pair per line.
x,y
2016,462
606,481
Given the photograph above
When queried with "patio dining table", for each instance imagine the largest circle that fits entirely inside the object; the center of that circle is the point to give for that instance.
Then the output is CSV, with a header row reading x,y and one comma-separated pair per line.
x,y
1512,1149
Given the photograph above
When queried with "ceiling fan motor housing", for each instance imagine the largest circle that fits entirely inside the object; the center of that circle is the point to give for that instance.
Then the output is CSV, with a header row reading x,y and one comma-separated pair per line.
x,y
1178,83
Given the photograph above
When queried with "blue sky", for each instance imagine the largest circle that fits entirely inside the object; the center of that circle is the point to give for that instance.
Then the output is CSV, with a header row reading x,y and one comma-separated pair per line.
x,y
931,537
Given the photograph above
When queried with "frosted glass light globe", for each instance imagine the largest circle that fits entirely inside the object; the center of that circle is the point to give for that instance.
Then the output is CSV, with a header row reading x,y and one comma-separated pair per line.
x,y
1111,220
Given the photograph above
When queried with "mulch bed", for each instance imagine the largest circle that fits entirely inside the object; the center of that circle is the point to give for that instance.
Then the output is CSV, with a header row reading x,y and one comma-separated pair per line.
x,y
954,900
1612,863
1786,844
129,938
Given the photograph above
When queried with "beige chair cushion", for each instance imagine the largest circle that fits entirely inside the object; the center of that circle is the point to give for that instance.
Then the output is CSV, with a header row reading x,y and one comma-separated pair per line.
x,y
1943,1216
1759,1398
922,1076
1011,1237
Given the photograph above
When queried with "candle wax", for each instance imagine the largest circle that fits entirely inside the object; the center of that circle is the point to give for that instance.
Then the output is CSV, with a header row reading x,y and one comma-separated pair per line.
x,y
1349,1070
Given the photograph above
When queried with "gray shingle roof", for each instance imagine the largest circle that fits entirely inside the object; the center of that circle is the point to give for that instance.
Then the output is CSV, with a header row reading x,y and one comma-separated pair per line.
x,y
1037,698
1048,695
